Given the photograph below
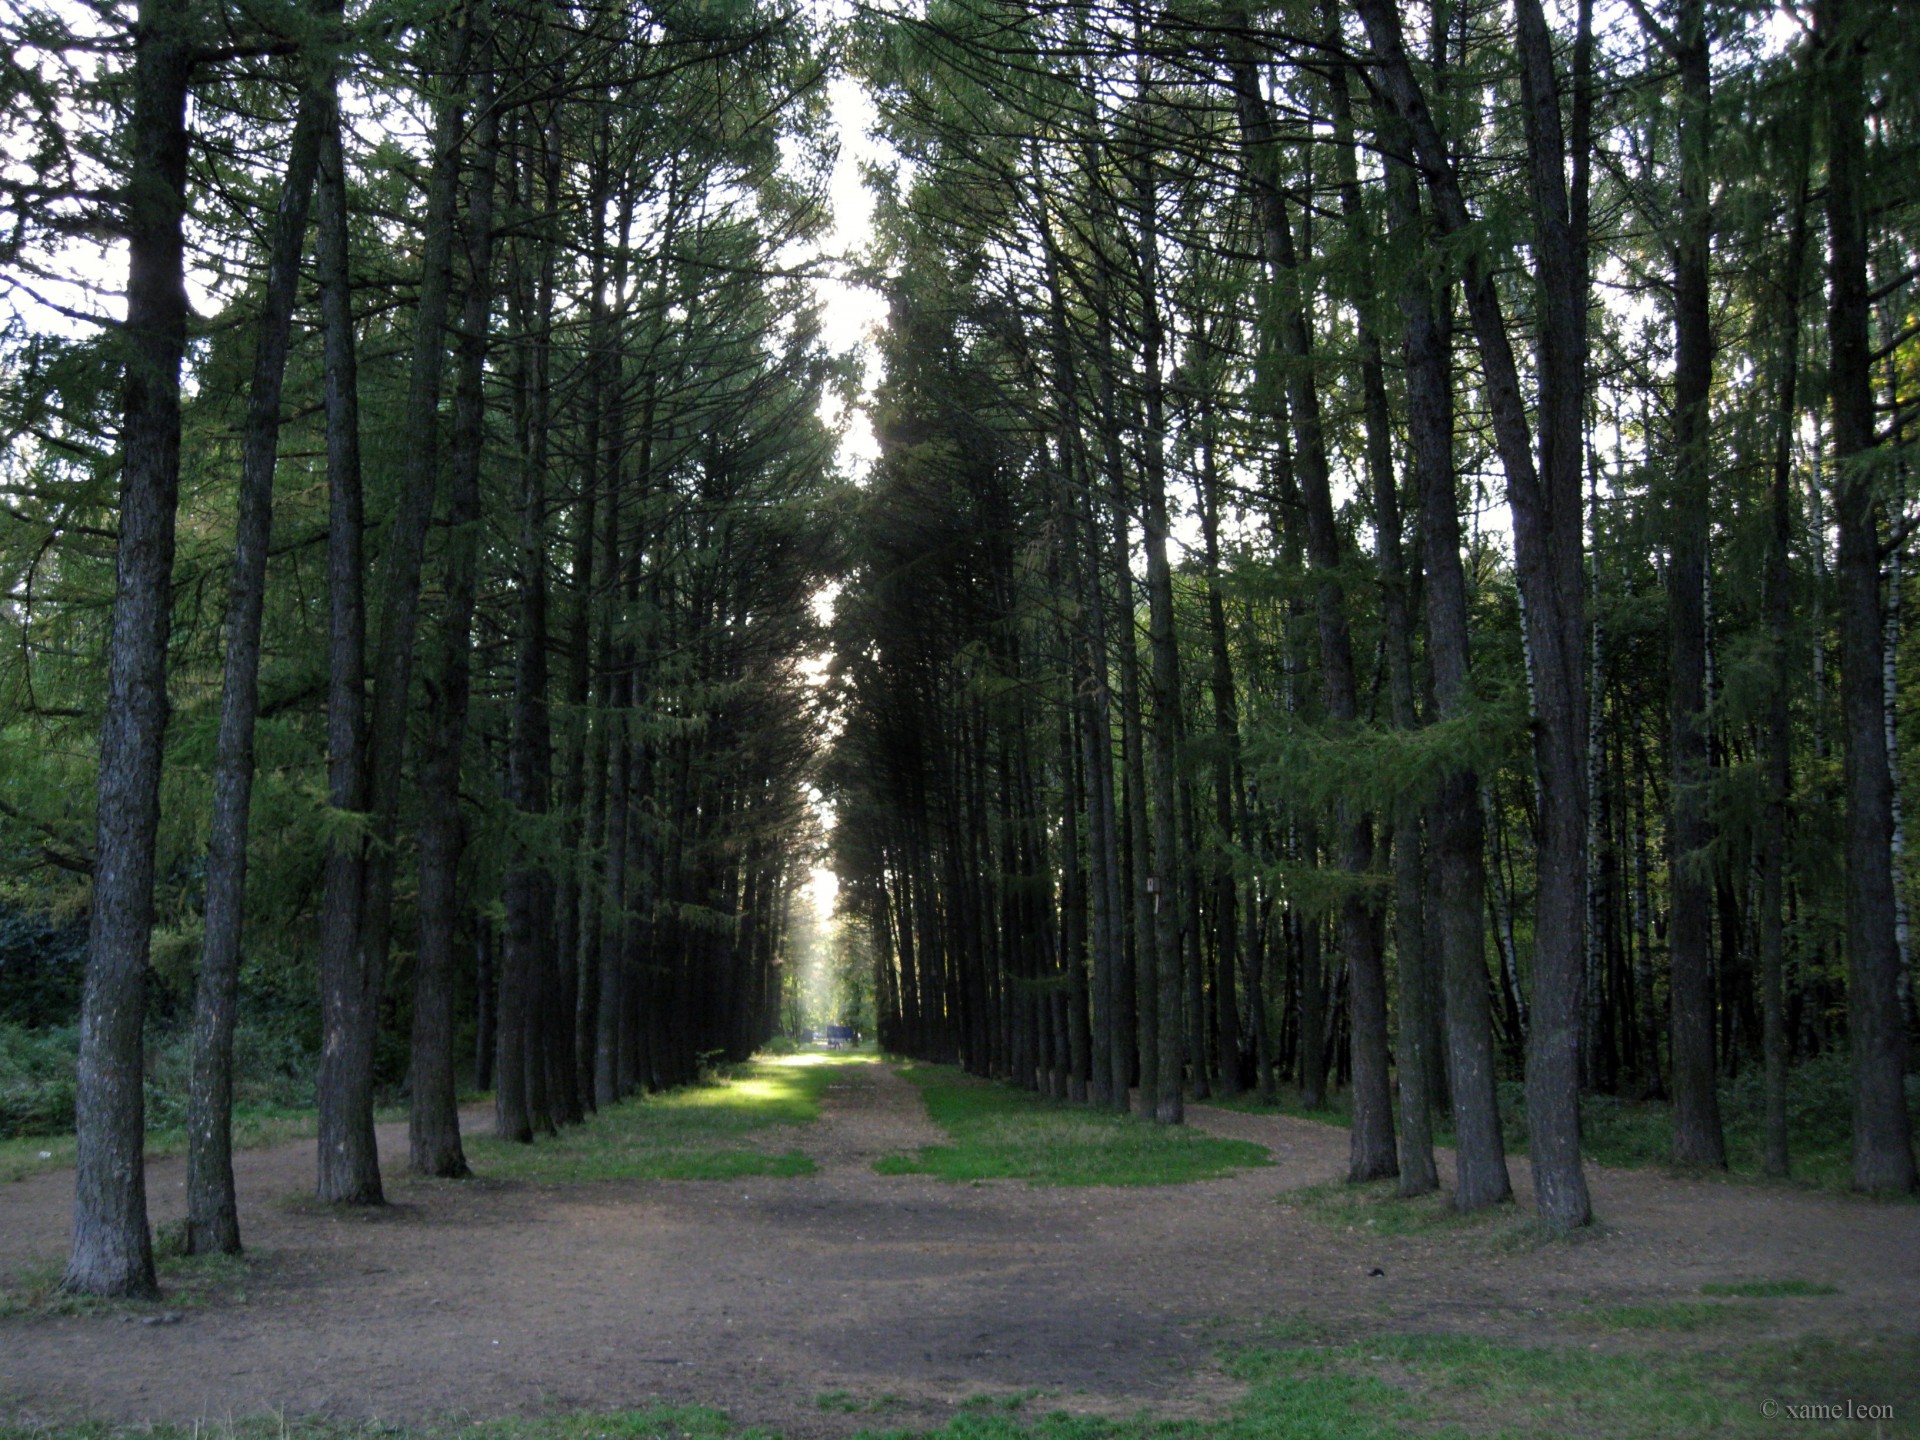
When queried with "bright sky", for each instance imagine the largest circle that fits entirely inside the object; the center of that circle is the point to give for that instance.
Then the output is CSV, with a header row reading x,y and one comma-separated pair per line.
x,y
852,317
852,314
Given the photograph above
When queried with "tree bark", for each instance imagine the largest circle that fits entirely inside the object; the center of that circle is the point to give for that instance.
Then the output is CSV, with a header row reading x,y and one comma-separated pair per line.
x,y
1373,1154
344,877
1697,1136
213,1220
1778,745
433,1122
1546,502
112,1250
1882,1128
352,980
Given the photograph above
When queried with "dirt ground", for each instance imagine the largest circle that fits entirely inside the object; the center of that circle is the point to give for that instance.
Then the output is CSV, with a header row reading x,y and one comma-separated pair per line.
x,y
761,1296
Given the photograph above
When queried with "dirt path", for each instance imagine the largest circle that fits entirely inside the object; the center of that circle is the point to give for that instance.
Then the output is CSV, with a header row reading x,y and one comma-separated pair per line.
x,y
899,1292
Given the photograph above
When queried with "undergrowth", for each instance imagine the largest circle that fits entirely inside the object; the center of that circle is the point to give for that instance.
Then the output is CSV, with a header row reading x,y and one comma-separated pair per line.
x,y
1638,1134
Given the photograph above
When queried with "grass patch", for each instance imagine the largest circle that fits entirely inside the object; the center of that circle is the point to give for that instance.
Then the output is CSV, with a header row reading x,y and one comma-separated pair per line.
x,y
845,1402
1767,1289
1377,1208
1464,1386
1379,1387
657,1423
996,1132
187,1282
699,1132
1335,1109
1670,1315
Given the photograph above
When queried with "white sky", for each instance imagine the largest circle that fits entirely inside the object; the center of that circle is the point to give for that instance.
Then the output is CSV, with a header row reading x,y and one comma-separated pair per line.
x,y
851,314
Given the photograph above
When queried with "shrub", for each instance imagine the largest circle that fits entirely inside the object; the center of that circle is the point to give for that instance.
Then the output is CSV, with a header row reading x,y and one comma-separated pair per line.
x,y
36,1080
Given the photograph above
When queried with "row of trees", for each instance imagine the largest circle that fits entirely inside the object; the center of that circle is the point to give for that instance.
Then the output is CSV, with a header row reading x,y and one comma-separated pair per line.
x,y
1206,722
506,442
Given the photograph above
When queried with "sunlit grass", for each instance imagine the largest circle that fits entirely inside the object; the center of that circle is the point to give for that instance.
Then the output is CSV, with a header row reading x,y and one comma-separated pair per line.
x,y
998,1133
700,1132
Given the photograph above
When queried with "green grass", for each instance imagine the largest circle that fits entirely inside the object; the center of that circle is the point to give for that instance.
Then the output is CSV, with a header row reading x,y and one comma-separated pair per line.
x,y
1337,1109
847,1403
1377,1209
1308,1386
1469,1386
701,1132
996,1132
659,1423
187,1283
1674,1315
1767,1289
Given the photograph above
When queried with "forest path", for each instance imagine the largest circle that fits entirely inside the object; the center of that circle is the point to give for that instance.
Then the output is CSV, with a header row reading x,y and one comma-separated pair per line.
x,y
894,1298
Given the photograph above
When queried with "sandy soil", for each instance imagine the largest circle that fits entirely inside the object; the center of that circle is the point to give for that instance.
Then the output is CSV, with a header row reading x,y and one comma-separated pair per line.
x,y
761,1296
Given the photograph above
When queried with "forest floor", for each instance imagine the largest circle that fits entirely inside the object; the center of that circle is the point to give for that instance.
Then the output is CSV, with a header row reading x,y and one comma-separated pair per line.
x,y
819,1305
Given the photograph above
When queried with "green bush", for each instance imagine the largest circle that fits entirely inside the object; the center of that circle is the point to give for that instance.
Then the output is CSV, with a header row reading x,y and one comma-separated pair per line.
x,y
1616,1131
272,1070
42,964
36,1081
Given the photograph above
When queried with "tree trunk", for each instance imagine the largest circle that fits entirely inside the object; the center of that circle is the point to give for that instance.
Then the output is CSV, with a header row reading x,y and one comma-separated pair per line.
x,y
1224,911
433,1128
213,1221
1165,869
1373,1154
351,981
1697,1137
1418,999
1458,858
112,1252
1882,1128
1547,522
1778,744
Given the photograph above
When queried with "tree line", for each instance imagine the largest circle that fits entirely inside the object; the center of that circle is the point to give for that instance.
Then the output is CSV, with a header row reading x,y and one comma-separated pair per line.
x,y
438,584
1386,563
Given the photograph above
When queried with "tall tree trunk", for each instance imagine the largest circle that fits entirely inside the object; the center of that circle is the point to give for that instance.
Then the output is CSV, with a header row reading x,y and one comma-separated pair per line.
x,y
213,1220
1877,1034
1373,1154
351,982
1459,862
1074,908
1418,996
1224,910
112,1251
485,1011
1697,1136
433,1122
1136,852
1166,870
1546,501
344,878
